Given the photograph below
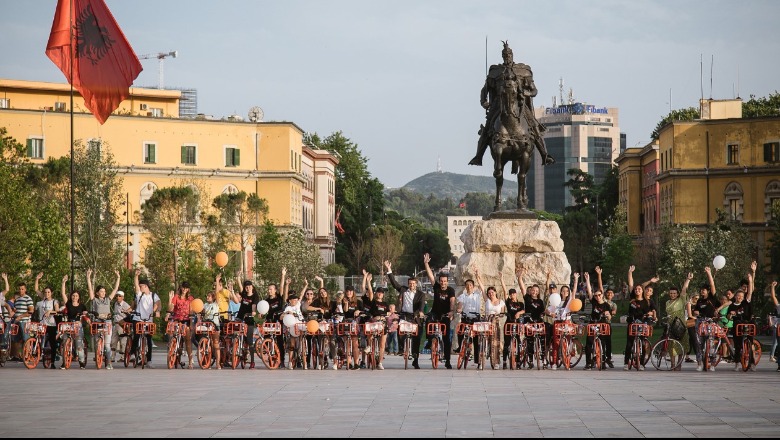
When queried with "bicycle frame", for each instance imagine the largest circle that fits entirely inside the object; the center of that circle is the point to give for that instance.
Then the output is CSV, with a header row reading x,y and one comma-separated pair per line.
x,y
747,332
640,331
406,331
516,344
537,331
596,330
143,329
435,330
268,348
99,331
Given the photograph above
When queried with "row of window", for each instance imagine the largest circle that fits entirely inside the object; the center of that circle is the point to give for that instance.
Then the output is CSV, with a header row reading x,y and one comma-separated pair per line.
x,y
771,153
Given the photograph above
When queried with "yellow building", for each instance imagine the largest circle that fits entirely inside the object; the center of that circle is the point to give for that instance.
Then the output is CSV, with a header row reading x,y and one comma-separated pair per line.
x,y
721,161
154,148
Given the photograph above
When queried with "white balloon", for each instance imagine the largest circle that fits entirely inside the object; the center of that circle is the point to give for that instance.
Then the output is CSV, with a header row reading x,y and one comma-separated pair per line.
x,y
289,320
263,307
719,262
555,299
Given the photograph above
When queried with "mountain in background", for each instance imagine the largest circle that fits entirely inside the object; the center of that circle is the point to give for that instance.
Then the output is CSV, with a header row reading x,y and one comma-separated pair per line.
x,y
455,186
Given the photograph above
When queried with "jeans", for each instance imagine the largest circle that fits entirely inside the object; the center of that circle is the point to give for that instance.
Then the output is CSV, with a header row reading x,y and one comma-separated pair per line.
x,y
392,342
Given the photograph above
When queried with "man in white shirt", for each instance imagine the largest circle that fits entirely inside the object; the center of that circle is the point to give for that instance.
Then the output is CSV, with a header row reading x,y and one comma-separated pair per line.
x,y
470,304
147,304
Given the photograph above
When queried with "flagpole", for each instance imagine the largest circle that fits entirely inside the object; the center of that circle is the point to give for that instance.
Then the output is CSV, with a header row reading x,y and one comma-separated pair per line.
x,y
72,191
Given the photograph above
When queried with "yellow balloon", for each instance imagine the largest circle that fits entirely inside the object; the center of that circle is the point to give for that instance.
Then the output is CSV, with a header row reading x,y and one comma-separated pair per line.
x,y
221,259
196,305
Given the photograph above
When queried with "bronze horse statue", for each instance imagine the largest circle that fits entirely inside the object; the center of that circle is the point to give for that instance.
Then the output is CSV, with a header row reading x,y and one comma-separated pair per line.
x,y
511,140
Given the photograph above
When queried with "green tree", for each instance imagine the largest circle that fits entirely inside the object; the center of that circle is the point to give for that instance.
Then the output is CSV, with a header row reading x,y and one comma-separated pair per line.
x,y
275,249
618,249
578,231
242,214
170,216
685,114
758,107
774,248
385,244
582,187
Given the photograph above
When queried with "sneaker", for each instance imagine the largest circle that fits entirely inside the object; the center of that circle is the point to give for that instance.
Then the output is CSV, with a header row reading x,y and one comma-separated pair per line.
x,y
334,366
610,364
290,366
62,367
415,365
150,366
588,368
699,368
752,368
712,369
362,365
737,368
251,366
109,367
82,367
772,359
449,366
380,367
554,367
641,368
153,346
778,367
689,360
625,368
504,367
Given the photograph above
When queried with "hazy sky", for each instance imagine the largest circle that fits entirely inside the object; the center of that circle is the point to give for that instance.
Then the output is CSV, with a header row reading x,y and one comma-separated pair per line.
x,y
402,78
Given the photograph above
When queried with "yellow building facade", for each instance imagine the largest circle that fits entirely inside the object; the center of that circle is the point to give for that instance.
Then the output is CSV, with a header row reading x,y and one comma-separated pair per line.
x,y
154,148
730,163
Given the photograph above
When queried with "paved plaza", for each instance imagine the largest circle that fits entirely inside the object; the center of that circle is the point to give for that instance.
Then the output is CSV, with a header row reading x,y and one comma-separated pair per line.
x,y
389,403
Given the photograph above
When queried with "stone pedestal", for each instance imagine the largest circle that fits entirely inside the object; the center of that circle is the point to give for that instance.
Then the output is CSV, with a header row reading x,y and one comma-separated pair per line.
x,y
497,246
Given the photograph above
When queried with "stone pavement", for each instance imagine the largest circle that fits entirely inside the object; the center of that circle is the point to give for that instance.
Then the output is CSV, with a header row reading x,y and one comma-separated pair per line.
x,y
389,403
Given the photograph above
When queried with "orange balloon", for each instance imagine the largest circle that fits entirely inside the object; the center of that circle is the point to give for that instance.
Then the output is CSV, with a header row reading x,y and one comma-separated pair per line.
x,y
575,305
221,259
196,306
313,326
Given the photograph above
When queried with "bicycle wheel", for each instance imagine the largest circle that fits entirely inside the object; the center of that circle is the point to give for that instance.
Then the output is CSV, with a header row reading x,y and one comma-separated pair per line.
x,y
341,354
563,351
32,353
407,351
538,353
744,357
99,352
435,353
522,348
756,352
235,353
513,354
269,354
67,353
463,354
303,352
706,354
48,359
636,354
646,349
173,348
142,349
597,354
204,353
482,349
374,353
127,358
575,352
315,354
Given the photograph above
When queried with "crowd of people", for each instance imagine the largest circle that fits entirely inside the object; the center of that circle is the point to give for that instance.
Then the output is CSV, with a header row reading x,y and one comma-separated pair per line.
x,y
547,304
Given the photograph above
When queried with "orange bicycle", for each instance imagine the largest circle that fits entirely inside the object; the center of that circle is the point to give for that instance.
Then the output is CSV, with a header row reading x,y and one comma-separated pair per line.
x,y
175,330
206,330
407,330
482,331
373,331
143,329
99,330
537,331
33,347
347,331
596,331
516,344
267,346
436,333
569,347
641,348
235,333
750,347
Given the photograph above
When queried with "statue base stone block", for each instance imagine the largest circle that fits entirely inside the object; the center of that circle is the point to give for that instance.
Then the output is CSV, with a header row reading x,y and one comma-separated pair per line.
x,y
497,247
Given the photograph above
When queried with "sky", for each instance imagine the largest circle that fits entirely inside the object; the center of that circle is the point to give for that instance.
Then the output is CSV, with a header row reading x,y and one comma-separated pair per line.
x,y
402,79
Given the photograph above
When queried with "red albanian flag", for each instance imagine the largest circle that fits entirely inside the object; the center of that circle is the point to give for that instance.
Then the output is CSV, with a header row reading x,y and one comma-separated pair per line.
x,y
104,64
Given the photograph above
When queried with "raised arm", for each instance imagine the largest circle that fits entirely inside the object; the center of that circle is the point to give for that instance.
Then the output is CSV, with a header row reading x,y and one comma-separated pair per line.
x,y
90,288
520,273
712,281
137,287
321,281
239,277
650,281
7,287
503,286
686,283
751,281
37,283
391,278
546,291
235,296
367,277
64,292
575,282
480,285
116,286
598,277
171,296
631,270
302,293
588,289
774,296
428,271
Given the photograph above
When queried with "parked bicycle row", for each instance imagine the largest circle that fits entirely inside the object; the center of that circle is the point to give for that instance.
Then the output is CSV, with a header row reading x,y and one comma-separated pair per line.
x,y
311,330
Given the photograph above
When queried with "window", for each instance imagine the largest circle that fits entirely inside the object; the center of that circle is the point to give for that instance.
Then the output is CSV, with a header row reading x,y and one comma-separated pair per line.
x,y
60,107
232,157
150,152
188,155
5,103
732,154
155,112
733,201
771,197
35,148
772,152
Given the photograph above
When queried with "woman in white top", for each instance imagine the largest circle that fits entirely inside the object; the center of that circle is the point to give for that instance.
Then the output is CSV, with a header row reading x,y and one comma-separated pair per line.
x,y
211,314
494,307
46,309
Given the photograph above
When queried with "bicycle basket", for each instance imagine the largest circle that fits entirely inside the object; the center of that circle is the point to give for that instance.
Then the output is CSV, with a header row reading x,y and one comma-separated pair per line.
x,y
174,327
348,328
565,328
272,328
34,328
326,328
145,328
677,329
127,327
205,328
463,328
482,328
640,330
601,329
101,327
435,328
513,328
68,328
374,327
407,328
535,329
14,329
745,330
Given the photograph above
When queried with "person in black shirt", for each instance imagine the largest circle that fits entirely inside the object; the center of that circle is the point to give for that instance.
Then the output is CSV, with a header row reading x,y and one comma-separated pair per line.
x,y
515,309
706,307
601,312
378,312
443,307
75,310
741,312
247,310
638,310
276,305
411,302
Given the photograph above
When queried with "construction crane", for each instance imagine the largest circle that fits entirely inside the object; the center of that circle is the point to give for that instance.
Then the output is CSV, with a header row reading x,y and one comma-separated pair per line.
x,y
160,56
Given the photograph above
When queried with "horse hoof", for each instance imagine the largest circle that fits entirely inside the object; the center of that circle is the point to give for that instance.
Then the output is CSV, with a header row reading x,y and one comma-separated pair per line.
x,y
476,161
